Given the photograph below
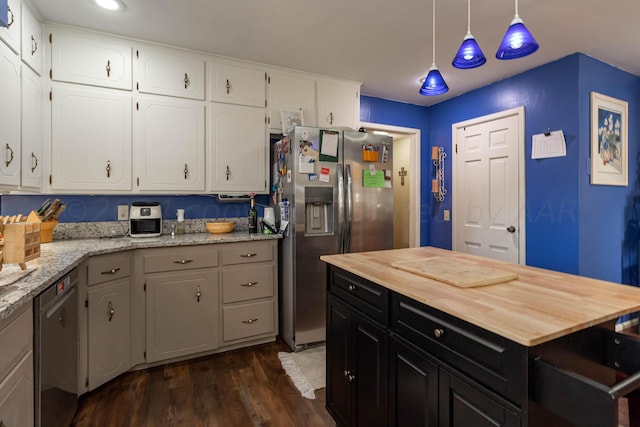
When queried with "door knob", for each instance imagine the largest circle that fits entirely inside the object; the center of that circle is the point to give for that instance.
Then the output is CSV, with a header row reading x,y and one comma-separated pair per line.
x,y
511,229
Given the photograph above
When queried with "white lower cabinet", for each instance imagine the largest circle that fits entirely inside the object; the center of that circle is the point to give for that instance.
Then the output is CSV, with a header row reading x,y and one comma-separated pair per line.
x,y
90,139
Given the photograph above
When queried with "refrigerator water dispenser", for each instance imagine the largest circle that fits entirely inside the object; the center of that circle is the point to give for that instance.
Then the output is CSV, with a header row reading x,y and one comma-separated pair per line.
x,y
318,203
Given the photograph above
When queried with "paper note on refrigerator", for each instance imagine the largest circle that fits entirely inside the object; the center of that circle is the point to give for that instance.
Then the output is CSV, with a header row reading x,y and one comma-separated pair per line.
x,y
373,180
328,146
306,164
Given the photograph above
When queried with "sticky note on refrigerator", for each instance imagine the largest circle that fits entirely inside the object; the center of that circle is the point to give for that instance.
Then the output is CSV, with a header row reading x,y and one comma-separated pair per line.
x,y
373,181
324,174
307,164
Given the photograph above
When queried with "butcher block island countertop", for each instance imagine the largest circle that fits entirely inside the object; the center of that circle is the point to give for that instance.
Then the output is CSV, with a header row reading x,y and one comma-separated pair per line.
x,y
536,307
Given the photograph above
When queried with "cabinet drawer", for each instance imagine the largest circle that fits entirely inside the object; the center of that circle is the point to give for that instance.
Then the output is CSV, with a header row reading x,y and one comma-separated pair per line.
x,y
366,296
491,360
186,258
108,267
245,283
248,320
242,253
16,339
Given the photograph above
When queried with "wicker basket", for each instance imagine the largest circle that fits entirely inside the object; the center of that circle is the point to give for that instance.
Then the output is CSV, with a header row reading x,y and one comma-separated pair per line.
x,y
219,227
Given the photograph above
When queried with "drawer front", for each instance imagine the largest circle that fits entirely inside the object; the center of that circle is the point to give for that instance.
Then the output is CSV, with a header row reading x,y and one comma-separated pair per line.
x,y
245,283
184,258
248,320
242,253
366,296
109,267
494,361
16,339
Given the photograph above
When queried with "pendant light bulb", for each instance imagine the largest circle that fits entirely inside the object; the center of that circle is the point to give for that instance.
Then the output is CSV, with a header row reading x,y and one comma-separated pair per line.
x,y
469,55
434,83
517,42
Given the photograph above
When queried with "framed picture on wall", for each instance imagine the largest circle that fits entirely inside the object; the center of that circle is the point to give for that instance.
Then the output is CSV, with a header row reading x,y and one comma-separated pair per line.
x,y
609,142
290,119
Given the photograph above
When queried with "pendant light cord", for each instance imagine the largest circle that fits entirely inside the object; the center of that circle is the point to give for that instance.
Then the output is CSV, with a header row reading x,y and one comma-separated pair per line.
x,y
434,33
517,16
469,17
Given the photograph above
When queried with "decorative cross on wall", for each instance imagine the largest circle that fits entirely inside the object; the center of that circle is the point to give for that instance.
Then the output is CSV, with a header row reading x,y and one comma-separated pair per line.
x,y
402,173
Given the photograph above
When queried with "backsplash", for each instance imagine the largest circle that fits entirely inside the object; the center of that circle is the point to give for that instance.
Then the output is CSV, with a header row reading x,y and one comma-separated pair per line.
x,y
103,208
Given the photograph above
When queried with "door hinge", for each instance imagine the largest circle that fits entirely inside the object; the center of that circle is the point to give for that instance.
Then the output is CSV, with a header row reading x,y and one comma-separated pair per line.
x,y
138,86
50,179
50,74
50,38
456,148
268,120
265,103
144,354
269,80
86,382
51,95
144,287
138,181
137,53
266,77
86,303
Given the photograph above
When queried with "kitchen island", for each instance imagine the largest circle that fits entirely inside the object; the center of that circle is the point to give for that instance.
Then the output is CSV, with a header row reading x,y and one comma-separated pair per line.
x,y
537,350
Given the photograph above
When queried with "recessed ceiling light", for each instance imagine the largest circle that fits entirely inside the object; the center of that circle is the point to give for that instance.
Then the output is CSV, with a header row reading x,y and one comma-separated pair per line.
x,y
110,4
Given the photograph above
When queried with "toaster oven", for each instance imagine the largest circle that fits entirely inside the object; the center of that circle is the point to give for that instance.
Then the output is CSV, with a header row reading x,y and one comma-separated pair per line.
x,y
145,219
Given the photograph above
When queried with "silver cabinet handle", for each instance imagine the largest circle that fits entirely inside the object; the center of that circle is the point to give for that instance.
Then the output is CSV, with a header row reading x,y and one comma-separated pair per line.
x,y
228,172
61,318
228,86
34,163
112,271
352,287
349,376
10,156
12,18
186,80
34,45
250,255
183,261
438,332
198,293
511,229
111,311
349,209
250,321
108,168
186,171
249,284
330,118
108,68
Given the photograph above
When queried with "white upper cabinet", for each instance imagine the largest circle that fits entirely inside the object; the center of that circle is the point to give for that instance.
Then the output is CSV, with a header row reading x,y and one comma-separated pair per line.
x,y
169,72
90,139
32,149
9,117
170,140
291,93
11,34
338,104
237,151
31,46
236,84
90,60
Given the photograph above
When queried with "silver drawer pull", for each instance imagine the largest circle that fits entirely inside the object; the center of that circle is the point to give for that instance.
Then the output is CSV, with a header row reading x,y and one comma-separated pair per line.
x,y
248,255
183,261
111,311
352,288
198,294
250,321
112,271
438,332
249,284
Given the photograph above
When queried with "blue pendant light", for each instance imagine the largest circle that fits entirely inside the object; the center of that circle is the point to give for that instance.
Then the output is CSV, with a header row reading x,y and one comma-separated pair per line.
x,y
469,55
434,83
517,41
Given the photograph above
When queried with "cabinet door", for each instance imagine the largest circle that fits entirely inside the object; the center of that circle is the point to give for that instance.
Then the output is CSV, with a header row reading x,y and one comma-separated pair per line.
x,y
338,104
11,33
32,159
463,405
9,118
339,378
169,72
31,40
236,84
413,388
182,314
90,60
16,395
369,357
109,330
237,152
289,93
91,139
170,139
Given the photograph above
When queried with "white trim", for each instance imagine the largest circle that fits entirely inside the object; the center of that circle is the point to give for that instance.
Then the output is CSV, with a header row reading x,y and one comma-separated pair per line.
x,y
522,232
414,179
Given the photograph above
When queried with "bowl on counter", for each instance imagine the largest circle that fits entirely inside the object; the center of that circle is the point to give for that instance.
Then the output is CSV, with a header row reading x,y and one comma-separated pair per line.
x,y
219,227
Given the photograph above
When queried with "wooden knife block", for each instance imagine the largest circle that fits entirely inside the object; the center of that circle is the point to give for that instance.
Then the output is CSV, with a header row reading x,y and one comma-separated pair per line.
x,y
21,243
46,227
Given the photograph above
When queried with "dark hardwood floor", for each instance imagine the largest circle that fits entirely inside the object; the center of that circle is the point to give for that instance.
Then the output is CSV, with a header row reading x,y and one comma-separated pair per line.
x,y
245,387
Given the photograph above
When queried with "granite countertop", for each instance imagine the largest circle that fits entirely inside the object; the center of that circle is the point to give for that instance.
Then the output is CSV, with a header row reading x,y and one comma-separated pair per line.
x,y
59,257
537,307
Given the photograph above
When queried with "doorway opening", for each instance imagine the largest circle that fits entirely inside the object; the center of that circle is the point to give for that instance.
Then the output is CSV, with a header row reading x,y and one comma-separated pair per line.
x,y
406,182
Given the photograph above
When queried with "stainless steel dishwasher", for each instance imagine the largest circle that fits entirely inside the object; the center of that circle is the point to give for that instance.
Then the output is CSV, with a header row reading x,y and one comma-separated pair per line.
x,y
56,350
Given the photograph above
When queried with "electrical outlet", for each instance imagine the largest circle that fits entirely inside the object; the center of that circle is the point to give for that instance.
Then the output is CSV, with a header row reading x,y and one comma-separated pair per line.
x,y
447,216
123,212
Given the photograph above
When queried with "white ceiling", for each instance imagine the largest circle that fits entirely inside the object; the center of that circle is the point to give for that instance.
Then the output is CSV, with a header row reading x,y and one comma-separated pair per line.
x,y
384,44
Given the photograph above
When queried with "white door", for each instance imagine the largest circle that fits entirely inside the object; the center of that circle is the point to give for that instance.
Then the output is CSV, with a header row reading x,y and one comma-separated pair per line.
x,y
488,186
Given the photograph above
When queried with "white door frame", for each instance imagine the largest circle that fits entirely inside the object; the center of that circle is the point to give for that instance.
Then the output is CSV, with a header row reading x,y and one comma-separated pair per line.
x,y
522,232
414,177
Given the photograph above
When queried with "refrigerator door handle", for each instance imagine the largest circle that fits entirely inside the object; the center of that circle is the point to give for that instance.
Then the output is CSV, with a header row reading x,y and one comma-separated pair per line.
x,y
349,210
341,223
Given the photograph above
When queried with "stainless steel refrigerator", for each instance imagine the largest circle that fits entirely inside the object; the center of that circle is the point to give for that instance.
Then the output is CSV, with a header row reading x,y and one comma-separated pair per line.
x,y
338,185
